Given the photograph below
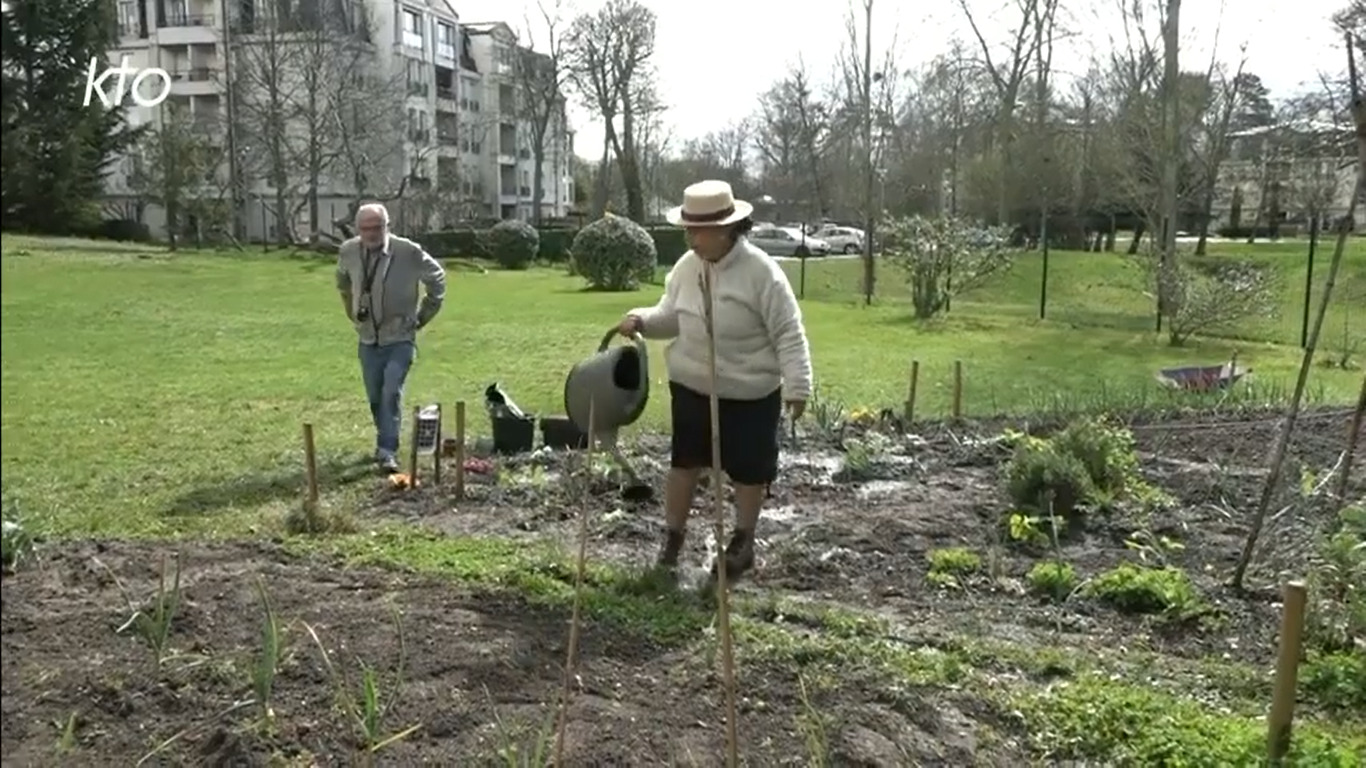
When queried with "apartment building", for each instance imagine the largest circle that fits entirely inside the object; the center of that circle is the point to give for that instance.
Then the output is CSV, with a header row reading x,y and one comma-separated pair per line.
x,y
450,143
1286,172
500,132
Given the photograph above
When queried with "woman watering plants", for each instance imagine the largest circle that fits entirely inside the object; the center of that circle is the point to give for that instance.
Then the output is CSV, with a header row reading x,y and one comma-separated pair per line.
x,y
763,363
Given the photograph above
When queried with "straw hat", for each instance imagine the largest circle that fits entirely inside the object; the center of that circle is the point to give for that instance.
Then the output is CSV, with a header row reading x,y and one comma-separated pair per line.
x,y
709,204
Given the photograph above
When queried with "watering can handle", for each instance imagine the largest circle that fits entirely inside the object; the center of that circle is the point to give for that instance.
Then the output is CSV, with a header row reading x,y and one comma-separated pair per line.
x,y
607,340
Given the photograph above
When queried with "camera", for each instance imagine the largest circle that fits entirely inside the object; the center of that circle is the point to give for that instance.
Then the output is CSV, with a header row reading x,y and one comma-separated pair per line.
x,y
363,308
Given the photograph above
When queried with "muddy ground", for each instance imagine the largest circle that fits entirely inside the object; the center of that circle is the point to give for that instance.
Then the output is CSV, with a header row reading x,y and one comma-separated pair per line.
x,y
480,668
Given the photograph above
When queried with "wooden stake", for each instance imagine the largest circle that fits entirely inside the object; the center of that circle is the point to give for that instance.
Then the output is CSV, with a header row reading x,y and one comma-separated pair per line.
x,y
311,465
957,389
460,449
719,502
436,451
412,450
1287,672
1353,437
910,394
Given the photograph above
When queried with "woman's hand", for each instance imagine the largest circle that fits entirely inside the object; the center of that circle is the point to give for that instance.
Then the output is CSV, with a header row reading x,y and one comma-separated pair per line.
x,y
631,325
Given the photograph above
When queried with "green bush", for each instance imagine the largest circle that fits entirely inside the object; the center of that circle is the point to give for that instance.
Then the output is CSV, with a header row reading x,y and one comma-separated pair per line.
x,y
556,243
1107,451
455,243
514,243
670,243
1052,579
1039,472
1138,589
614,254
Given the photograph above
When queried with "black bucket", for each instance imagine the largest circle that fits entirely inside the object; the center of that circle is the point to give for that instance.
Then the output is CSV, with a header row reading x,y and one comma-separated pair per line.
x,y
560,432
512,435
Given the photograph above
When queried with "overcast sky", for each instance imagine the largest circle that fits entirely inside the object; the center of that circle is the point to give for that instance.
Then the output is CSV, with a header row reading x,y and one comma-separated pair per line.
x,y
715,57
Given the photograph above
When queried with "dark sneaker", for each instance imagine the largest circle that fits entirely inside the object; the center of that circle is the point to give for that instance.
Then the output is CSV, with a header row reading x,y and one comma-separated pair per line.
x,y
738,560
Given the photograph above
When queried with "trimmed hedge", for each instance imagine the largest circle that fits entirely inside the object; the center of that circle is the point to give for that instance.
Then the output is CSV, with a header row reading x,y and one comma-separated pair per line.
x,y
555,244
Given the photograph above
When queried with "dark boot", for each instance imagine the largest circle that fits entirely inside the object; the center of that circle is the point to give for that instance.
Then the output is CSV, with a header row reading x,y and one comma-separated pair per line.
x,y
738,559
673,547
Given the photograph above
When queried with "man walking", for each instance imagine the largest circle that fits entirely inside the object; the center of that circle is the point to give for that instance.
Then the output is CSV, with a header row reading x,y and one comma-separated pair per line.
x,y
378,275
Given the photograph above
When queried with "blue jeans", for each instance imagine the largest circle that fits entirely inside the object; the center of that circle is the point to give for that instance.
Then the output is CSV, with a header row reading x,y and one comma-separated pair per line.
x,y
384,369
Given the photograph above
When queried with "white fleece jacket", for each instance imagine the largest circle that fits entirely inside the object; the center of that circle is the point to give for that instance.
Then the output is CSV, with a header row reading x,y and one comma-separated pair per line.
x,y
761,341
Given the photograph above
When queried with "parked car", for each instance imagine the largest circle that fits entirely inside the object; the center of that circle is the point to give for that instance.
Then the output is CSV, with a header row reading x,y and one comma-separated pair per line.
x,y
785,241
842,239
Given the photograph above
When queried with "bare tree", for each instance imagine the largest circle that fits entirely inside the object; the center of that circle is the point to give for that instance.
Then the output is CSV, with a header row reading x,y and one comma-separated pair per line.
x,y
792,136
607,54
266,89
176,164
366,104
1215,142
540,79
1008,74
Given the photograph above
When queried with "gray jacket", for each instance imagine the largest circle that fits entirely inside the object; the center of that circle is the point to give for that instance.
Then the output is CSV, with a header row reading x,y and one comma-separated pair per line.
x,y
395,313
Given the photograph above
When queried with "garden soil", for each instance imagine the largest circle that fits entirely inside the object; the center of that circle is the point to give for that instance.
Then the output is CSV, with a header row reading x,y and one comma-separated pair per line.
x,y
480,672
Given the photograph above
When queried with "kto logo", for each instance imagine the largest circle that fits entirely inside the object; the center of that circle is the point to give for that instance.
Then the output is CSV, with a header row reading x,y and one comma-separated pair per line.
x,y
95,84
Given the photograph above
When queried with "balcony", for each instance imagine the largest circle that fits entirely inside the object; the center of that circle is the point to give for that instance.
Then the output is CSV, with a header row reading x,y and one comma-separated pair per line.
x,y
445,93
445,51
506,159
420,90
188,29
195,81
447,138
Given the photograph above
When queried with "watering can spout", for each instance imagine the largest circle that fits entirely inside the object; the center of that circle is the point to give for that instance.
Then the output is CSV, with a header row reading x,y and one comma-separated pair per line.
x,y
611,387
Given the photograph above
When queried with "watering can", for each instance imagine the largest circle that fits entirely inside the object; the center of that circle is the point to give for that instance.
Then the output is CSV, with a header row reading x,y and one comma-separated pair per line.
x,y
611,388
613,384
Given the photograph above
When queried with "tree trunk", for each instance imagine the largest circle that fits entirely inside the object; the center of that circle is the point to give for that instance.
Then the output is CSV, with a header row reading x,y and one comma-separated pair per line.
x,y
1171,158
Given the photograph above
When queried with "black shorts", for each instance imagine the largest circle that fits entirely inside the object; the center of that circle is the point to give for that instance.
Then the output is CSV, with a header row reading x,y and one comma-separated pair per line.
x,y
749,434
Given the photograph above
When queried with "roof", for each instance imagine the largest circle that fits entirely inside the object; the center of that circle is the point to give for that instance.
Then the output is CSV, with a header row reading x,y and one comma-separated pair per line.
x,y
1292,126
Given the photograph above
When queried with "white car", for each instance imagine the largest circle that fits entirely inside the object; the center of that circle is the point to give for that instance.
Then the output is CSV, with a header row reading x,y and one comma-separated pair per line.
x,y
786,241
842,239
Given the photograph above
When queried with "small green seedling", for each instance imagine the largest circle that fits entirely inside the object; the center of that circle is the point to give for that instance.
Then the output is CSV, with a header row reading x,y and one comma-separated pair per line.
x,y
153,623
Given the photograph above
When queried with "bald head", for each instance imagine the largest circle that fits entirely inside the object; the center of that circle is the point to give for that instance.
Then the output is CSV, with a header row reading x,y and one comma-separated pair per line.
x,y
372,224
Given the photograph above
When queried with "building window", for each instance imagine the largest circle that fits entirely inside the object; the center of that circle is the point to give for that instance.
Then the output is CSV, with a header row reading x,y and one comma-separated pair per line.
x,y
445,40
128,18
412,29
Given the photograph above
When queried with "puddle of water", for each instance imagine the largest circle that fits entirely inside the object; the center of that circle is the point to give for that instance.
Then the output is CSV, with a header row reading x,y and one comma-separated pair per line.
x,y
877,488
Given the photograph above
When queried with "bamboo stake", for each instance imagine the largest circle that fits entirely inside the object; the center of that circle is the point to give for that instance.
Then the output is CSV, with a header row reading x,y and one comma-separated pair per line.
x,y
460,450
1277,462
1353,437
719,502
571,655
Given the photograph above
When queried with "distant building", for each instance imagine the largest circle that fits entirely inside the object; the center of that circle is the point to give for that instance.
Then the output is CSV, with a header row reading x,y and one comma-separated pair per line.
x,y
1286,174
501,124
467,155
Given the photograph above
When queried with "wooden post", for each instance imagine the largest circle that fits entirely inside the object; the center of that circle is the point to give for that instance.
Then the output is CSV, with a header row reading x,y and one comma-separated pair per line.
x,y
311,465
436,450
460,449
1353,437
412,450
1287,672
957,389
910,394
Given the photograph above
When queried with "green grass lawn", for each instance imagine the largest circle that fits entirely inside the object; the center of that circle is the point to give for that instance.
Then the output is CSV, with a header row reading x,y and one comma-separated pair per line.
x,y
149,393
1105,290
